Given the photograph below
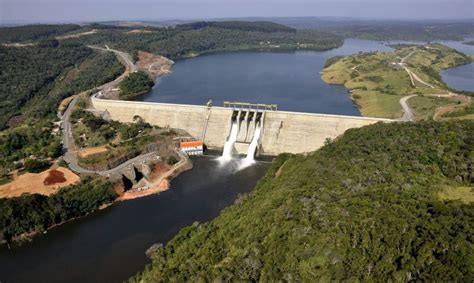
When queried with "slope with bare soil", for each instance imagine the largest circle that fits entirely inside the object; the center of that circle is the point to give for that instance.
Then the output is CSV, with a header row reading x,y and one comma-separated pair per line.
x,y
45,183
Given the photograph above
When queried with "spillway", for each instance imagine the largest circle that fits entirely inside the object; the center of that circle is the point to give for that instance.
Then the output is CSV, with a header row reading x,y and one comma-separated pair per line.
x,y
229,144
250,158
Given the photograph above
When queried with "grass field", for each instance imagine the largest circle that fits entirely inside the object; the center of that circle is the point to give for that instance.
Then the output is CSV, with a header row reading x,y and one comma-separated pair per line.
x,y
424,106
464,194
378,80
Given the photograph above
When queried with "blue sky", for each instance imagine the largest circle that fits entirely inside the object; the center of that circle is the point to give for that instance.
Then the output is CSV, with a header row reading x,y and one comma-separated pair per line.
x,y
98,10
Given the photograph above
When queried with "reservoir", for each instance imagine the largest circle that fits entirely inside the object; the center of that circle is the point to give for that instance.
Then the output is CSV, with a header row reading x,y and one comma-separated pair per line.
x,y
462,77
289,79
110,245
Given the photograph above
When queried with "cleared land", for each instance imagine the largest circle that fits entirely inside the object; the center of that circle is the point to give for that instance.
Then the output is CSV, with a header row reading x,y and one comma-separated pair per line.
x,y
378,80
464,194
45,183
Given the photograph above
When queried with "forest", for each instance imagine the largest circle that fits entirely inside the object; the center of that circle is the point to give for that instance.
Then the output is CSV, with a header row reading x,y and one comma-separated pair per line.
x,y
365,207
28,72
186,41
135,84
31,213
33,32
418,30
259,26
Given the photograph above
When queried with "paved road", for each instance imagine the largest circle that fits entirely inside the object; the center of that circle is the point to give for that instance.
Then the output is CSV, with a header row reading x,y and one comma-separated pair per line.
x,y
407,112
68,140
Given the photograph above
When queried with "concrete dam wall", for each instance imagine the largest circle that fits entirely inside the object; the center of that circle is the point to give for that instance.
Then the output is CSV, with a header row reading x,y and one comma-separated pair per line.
x,y
281,132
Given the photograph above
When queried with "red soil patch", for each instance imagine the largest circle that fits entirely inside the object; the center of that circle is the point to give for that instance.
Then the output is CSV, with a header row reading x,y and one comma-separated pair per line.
x,y
159,169
54,177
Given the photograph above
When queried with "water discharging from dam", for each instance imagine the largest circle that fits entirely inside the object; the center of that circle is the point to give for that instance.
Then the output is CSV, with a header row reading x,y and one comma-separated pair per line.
x,y
229,144
250,158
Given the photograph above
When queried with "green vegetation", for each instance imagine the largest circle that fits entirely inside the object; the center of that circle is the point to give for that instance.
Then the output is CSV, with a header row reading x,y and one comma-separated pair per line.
x,y
424,106
200,38
20,143
33,32
259,26
35,166
463,194
422,30
122,141
99,68
36,79
467,110
378,80
362,208
135,84
35,213
27,73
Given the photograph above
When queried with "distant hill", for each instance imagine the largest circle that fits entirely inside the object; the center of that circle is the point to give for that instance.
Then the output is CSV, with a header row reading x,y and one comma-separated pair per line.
x,y
387,202
33,32
258,26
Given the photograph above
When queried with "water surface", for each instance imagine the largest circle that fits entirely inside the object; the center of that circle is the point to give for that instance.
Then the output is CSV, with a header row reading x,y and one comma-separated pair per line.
x,y
290,79
110,245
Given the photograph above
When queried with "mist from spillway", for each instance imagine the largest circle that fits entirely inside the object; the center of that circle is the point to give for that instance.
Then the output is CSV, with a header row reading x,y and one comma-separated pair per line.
x,y
229,144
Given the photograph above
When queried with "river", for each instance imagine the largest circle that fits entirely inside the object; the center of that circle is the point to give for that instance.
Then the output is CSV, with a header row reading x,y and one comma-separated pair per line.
x,y
110,245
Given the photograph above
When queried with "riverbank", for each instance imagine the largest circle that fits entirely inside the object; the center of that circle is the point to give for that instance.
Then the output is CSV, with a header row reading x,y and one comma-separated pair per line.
x,y
161,182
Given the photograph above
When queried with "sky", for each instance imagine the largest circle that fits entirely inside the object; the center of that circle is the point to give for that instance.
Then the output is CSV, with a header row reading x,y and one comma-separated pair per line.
x,y
103,10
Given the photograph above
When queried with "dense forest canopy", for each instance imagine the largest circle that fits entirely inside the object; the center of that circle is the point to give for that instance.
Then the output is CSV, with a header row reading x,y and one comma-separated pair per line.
x,y
366,207
28,72
33,32
35,213
423,30
135,84
36,78
260,26
182,42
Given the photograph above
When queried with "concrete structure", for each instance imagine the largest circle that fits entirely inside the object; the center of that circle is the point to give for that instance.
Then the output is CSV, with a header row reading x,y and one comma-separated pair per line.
x,y
283,131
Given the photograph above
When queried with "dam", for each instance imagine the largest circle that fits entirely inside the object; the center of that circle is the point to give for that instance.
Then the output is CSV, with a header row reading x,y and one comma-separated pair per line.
x,y
278,131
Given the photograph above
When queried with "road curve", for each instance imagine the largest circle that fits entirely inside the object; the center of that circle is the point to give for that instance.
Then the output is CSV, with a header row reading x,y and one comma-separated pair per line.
x,y
68,140
407,112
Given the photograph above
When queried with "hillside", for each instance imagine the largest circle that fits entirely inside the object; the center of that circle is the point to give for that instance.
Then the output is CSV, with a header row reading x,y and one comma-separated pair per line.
x,y
377,80
198,38
376,204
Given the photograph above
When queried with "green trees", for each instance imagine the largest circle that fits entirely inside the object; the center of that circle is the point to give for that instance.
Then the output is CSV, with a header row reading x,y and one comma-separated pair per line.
x,y
35,213
33,32
35,165
259,26
135,84
27,73
365,207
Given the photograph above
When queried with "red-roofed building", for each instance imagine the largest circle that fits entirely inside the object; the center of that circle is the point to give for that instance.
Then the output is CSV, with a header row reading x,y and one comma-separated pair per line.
x,y
192,147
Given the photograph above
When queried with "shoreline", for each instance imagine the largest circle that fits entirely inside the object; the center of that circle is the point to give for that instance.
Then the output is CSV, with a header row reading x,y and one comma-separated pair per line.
x,y
156,187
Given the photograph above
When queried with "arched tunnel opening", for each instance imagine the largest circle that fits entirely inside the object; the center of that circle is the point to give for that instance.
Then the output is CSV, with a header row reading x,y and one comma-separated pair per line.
x,y
127,183
259,116
234,115
138,174
242,115
251,114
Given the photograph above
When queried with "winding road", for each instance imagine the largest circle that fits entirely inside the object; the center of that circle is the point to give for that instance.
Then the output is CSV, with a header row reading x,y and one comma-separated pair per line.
x,y
68,140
